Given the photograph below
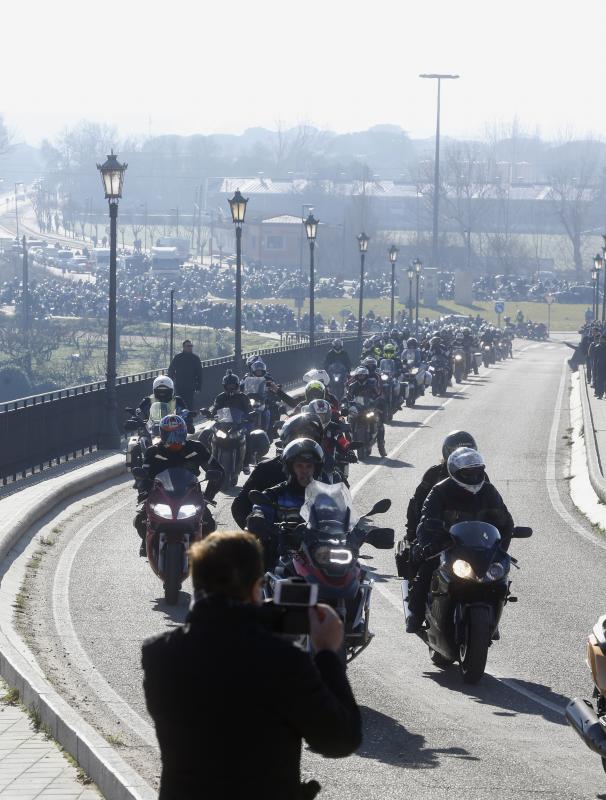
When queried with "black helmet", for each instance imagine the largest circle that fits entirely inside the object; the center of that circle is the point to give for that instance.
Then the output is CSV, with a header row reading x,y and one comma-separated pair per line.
x,y
303,450
457,439
337,344
308,426
412,344
231,381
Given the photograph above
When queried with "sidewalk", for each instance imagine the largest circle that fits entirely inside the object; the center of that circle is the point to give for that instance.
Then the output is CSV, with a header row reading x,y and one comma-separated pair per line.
x,y
597,409
31,764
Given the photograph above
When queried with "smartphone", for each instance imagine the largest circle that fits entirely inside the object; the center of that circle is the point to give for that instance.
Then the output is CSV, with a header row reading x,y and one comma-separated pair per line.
x,y
295,592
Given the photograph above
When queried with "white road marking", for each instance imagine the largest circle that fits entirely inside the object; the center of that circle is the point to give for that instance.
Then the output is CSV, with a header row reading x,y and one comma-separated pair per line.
x,y
71,642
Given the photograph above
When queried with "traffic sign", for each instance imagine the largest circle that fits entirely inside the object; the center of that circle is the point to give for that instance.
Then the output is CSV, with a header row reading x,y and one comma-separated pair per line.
x,y
499,307
549,299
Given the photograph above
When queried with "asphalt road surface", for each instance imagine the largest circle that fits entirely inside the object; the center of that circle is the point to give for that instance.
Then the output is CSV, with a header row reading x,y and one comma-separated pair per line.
x,y
93,601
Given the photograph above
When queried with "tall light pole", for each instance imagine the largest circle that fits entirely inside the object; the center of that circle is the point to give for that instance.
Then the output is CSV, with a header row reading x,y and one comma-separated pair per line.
x,y
363,240
598,263
436,173
604,290
418,268
17,209
112,174
311,228
393,257
594,280
237,205
411,275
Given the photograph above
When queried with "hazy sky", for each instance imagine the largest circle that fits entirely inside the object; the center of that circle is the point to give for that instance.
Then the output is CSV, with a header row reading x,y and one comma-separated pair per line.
x,y
177,66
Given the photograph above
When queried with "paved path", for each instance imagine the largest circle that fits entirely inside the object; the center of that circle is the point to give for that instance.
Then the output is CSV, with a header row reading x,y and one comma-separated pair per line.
x,y
31,765
598,414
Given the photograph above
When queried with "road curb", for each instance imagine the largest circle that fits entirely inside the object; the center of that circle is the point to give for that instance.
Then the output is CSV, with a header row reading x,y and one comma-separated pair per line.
x,y
594,465
116,779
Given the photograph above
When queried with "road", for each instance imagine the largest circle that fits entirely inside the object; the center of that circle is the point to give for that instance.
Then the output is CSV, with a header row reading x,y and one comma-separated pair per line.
x,y
93,601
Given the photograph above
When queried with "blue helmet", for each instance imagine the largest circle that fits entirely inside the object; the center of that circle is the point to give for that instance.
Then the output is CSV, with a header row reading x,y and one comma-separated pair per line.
x,y
173,431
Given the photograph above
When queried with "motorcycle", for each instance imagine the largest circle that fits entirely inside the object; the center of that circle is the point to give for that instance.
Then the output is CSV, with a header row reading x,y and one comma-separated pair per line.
x,y
390,386
487,354
256,390
469,589
459,367
145,432
363,419
589,724
324,550
174,510
438,369
225,437
338,375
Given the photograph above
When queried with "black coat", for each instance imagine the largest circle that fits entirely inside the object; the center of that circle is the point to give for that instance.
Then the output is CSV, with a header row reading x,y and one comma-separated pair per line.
x,y
232,701
266,474
186,371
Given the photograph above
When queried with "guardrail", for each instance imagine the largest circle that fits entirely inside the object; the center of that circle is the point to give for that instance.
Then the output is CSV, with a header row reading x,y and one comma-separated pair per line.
x,y
43,430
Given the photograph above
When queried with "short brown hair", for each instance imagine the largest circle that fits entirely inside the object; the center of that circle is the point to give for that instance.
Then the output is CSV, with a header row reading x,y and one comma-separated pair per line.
x,y
227,564
187,341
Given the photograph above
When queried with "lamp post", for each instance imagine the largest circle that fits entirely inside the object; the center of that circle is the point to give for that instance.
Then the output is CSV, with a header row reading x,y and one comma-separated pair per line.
x,y
604,290
237,205
598,263
311,228
17,210
594,280
112,175
393,257
411,275
363,240
436,173
418,269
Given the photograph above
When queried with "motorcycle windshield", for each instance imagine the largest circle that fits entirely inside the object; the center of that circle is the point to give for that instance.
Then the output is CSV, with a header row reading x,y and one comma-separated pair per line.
x,y
157,411
254,385
328,510
387,365
229,416
480,540
176,481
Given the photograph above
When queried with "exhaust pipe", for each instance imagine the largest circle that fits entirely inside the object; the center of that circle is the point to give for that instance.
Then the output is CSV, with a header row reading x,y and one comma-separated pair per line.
x,y
584,720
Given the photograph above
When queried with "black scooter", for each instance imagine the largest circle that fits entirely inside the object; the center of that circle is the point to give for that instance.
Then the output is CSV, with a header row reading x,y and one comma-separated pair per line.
x,y
469,589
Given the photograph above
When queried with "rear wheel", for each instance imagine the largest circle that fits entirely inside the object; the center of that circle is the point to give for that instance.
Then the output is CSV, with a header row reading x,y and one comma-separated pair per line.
x,y
473,652
173,565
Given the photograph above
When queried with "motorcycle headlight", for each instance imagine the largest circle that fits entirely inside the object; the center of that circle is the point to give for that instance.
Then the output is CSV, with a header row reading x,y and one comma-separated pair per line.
x,y
220,434
384,376
370,414
325,556
252,401
414,370
188,510
495,571
463,569
486,347
162,510
458,358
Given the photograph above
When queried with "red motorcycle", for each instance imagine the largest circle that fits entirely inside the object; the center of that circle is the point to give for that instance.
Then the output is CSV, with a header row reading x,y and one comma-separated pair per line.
x,y
323,551
174,510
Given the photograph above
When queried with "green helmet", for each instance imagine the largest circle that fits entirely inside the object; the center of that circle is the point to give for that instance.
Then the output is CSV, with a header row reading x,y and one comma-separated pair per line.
x,y
389,351
315,391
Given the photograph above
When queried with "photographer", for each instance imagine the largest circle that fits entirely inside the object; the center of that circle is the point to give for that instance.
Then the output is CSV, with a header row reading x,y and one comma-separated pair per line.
x,y
231,699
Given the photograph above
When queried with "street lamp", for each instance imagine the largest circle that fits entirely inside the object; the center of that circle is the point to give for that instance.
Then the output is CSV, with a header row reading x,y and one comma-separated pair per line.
x,y
418,268
112,175
436,173
363,240
393,257
598,263
17,209
311,228
604,290
594,279
411,275
237,205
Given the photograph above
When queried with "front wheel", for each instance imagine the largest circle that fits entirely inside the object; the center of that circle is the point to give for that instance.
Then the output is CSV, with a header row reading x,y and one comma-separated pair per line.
x,y
173,566
473,651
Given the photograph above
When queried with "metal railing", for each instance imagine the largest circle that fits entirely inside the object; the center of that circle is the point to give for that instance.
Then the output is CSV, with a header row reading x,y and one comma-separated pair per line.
x,y
46,429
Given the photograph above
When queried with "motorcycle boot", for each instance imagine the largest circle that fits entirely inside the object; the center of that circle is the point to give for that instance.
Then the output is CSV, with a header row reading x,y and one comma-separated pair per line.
x,y
140,524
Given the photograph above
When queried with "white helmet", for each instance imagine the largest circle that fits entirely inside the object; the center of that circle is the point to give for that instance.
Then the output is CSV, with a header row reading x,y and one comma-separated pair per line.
x,y
163,388
317,375
467,468
321,408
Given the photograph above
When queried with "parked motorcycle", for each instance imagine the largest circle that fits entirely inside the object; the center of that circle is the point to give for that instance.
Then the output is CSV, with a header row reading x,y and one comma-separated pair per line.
x,y
324,552
469,589
174,509
590,724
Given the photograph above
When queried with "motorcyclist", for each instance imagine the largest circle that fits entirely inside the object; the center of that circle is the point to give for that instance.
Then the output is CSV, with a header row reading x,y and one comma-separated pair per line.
x,y
362,385
464,496
176,450
317,390
232,397
337,355
334,442
302,460
390,353
270,472
163,391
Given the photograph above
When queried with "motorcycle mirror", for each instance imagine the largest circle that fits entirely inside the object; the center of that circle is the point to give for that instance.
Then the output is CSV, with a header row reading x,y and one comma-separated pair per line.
x,y
139,472
380,507
381,538
520,532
